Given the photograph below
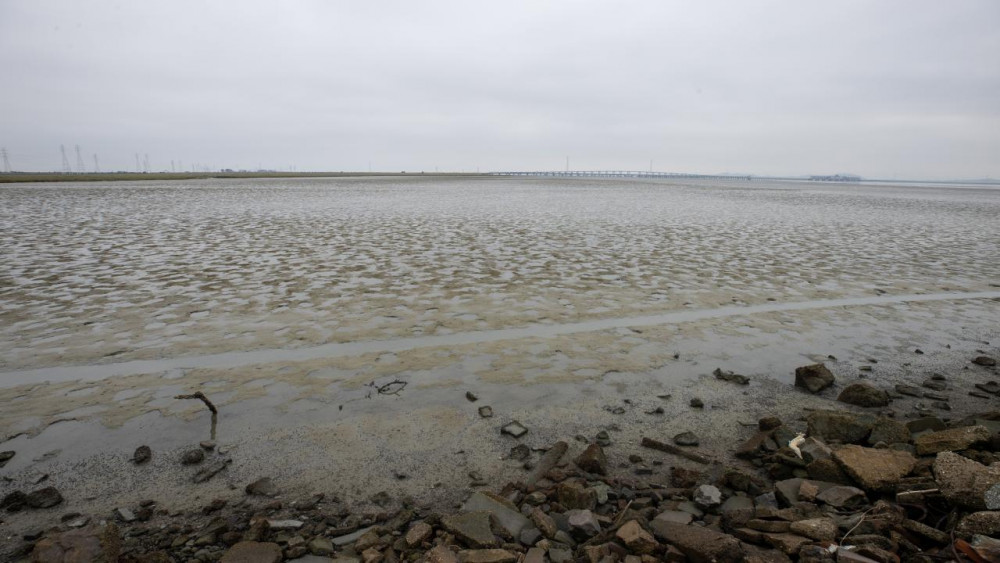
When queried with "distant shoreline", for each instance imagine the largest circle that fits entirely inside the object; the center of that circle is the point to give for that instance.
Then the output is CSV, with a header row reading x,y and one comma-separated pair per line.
x,y
21,177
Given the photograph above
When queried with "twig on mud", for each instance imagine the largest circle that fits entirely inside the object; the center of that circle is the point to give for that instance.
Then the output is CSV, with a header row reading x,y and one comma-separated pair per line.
x,y
671,449
391,388
204,399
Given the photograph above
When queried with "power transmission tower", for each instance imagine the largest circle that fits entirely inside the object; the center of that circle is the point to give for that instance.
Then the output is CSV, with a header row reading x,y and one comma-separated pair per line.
x,y
65,161
79,161
145,162
6,161
97,166
138,168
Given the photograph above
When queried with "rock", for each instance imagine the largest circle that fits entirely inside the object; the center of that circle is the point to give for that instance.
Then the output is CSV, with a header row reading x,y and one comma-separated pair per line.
x,y
843,496
93,543
768,423
593,460
207,445
700,545
965,482
486,556
583,522
888,431
636,539
193,457
910,390
43,498
124,515
320,546
787,491
864,394
545,523
352,536
505,513
142,455
514,428
472,397
441,554
211,470
841,426
986,523
953,439
603,439
707,496
520,452
263,487
285,524
418,534
814,378
874,469
253,552
676,516
984,361
697,403
754,446
472,528
485,412
789,544
686,439
819,529
572,496
731,377
535,555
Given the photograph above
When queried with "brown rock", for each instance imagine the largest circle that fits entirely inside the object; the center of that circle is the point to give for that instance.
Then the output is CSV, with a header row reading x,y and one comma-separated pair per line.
x,y
486,556
965,482
372,555
472,528
635,538
253,552
819,529
984,361
418,533
814,378
593,460
545,523
953,439
441,554
864,394
789,544
700,545
874,469
573,496
100,544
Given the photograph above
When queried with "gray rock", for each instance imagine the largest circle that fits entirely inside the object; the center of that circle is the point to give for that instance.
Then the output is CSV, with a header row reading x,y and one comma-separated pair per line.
x,y
43,498
819,529
700,545
253,552
686,439
985,523
735,512
142,455
676,516
813,378
889,431
843,496
984,361
841,426
124,515
952,439
514,428
731,377
285,524
351,537
263,487
864,394
967,483
471,528
486,411
583,522
506,514
593,460
707,496
192,457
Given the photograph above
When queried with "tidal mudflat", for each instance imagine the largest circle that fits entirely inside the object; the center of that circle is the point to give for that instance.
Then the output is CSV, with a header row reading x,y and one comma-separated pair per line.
x,y
571,306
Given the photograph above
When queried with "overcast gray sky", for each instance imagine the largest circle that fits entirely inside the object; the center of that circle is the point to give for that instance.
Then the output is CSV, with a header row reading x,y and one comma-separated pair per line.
x,y
891,88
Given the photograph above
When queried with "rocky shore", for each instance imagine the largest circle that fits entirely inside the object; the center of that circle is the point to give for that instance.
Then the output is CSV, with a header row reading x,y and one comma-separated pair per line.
x,y
856,482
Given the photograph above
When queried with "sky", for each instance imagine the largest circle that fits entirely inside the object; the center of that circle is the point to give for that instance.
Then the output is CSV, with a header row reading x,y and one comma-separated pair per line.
x,y
906,89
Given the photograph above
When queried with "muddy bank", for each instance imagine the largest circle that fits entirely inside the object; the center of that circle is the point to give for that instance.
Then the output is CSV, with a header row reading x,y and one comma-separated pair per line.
x,y
158,506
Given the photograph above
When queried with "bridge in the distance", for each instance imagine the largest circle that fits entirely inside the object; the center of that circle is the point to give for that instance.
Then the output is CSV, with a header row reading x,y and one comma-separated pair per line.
x,y
621,174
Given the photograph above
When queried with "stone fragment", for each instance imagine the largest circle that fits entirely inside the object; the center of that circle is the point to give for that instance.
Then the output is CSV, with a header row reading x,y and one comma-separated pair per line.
x,y
505,513
819,529
707,496
514,428
285,524
675,516
789,544
573,496
210,470
986,523
441,554
731,377
593,460
486,556
965,482
320,546
686,439
952,439
92,543
735,512
874,469
864,394
545,523
583,522
635,538
124,515
768,423
418,533
841,426
142,455
889,431
700,545
193,457
263,487
984,361
253,552
472,528
485,412
813,378
843,497
43,498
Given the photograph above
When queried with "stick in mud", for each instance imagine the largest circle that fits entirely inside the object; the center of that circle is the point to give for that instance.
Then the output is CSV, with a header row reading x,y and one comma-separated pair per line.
x,y
656,445
204,399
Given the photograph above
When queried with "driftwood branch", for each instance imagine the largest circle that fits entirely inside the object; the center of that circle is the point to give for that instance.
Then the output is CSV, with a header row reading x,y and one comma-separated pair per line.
x,y
671,449
204,399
